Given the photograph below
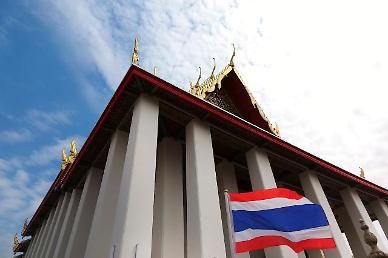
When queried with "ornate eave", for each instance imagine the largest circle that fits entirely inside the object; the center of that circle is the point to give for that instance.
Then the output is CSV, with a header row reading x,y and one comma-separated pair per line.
x,y
215,82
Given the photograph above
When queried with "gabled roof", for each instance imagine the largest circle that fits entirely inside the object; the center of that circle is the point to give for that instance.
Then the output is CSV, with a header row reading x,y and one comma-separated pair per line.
x,y
228,85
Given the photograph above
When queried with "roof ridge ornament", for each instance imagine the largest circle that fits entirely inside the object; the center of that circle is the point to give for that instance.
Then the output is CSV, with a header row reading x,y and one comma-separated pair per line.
x,y
16,243
65,159
212,77
362,173
197,89
231,62
25,224
73,151
135,54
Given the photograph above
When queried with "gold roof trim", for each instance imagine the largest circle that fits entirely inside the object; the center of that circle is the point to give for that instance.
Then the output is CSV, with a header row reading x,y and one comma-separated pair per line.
x,y
16,243
210,84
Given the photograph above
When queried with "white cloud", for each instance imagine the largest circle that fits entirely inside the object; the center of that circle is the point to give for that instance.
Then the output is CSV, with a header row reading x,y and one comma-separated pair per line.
x,y
13,136
47,120
318,69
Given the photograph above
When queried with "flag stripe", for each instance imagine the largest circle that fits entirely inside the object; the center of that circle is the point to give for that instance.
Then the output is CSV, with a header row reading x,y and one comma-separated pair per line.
x,y
285,219
265,194
294,236
268,204
269,241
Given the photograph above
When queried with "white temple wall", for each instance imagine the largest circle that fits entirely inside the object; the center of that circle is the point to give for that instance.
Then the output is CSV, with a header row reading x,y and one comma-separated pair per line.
x,y
46,238
168,232
34,241
83,219
101,232
53,236
63,238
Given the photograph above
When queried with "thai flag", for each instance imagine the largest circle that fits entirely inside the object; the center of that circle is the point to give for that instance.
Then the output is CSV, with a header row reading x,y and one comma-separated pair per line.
x,y
276,217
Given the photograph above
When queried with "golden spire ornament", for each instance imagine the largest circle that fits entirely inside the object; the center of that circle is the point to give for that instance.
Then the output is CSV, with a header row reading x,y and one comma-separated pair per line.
x,y
15,243
73,151
231,63
362,172
135,54
25,224
65,159
196,88
214,68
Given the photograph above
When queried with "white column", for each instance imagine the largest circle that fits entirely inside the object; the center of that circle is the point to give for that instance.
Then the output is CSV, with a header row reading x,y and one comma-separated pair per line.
x,y
357,244
134,217
261,176
53,238
380,209
101,231
314,192
67,225
168,232
34,241
41,235
50,225
205,236
357,211
227,181
83,218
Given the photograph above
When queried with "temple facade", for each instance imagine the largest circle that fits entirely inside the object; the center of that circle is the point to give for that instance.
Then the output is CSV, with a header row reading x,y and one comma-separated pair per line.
x,y
149,180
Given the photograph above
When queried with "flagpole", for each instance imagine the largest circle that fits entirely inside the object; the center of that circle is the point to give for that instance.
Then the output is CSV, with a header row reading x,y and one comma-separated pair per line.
x,y
230,224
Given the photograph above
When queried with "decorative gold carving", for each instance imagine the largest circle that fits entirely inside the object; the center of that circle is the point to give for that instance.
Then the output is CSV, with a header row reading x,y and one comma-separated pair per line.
x,y
73,151
16,243
135,54
371,240
362,172
196,89
65,159
214,68
25,224
210,84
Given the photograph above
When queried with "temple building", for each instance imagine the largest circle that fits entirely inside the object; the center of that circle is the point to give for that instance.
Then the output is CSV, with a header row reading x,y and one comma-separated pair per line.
x,y
149,180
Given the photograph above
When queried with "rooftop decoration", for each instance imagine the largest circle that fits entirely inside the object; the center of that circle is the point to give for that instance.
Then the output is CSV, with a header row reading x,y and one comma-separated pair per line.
x,y
362,173
16,243
135,54
214,83
66,160
25,224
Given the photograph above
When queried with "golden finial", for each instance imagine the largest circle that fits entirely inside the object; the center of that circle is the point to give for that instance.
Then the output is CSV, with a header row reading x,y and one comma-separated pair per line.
x,y
135,54
277,129
196,88
73,151
155,68
231,63
362,172
65,159
214,68
25,224
15,243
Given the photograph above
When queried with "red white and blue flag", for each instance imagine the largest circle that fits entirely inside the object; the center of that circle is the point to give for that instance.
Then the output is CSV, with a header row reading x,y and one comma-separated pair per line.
x,y
276,217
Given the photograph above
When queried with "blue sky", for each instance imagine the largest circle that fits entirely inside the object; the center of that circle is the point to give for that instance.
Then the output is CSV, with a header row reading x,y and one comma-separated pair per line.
x,y
318,70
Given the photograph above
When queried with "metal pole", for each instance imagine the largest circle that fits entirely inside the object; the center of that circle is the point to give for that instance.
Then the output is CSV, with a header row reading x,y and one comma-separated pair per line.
x,y
230,224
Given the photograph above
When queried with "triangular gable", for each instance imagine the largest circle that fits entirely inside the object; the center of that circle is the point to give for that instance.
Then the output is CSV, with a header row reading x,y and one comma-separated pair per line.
x,y
227,91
